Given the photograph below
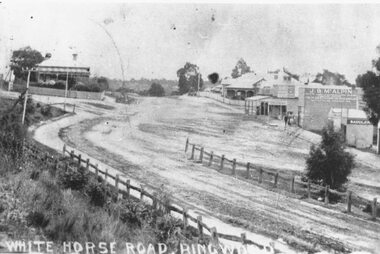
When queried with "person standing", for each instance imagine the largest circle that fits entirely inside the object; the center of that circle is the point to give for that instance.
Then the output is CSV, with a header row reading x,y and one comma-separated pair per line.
x,y
286,120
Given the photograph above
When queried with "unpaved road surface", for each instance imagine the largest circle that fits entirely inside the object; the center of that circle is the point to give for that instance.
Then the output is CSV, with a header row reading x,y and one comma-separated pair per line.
x,y
146,141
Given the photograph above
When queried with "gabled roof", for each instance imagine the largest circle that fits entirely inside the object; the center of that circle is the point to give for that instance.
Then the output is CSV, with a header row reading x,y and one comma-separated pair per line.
x,y
246,81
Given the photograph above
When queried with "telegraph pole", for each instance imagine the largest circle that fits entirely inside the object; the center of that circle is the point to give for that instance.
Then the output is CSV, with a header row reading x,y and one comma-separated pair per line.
x,y
26,97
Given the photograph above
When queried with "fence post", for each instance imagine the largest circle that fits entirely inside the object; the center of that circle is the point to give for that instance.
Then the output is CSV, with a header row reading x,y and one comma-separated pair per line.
x,y
74,109
117,183
200,228
185,222
96,170
243,238
106,175
261,175
327,194
234,167
154,203
64,150
128,188
72,155
201,155
214,235
211,158
187,144
79,159
275,180
349,201
308,189
248,166
192,152
292,185
142,193
221,162
374,208
87,164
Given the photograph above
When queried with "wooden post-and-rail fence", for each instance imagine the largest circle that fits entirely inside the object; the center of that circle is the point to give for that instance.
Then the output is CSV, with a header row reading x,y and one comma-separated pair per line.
x,y
289,184
157,203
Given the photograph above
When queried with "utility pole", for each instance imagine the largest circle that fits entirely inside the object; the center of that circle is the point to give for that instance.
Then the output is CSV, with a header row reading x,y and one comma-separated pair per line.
x,y
199,79
66,87
26,97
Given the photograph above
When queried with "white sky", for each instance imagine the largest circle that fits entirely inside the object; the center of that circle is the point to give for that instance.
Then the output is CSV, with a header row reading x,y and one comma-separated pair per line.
x,y
303,38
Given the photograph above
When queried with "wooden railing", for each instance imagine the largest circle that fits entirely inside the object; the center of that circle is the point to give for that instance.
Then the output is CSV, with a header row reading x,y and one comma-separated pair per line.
x,y
273,179
153,200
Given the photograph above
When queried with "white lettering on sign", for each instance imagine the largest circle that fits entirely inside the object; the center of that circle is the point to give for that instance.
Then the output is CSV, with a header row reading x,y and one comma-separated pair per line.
x,y
358,122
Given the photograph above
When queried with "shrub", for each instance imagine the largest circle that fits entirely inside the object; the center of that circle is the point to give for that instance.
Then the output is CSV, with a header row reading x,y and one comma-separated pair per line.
x,y
37,219
46,111
73,179
97,193
329,162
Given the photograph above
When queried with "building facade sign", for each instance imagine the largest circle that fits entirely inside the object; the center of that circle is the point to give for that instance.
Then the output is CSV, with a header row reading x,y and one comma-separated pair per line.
x,y
358,121
330,95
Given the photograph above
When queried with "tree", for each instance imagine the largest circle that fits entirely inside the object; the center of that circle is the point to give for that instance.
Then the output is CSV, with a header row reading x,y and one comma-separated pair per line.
x,y
331,78
370,83
23,59
156,90
188,77
240,69
329,162
103,83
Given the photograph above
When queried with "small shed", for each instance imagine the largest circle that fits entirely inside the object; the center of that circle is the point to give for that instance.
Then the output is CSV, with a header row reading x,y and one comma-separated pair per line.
x,y
357,129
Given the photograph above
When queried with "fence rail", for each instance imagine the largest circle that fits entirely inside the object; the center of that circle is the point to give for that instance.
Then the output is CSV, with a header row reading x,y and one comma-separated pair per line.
x,y
273,178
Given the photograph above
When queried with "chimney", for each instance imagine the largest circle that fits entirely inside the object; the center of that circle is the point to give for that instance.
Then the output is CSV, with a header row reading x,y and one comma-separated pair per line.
x,y
75,56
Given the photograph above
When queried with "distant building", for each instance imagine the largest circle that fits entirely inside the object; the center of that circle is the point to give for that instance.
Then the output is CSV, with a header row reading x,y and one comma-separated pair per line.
x,y
243,87
52,70
278,95
354,123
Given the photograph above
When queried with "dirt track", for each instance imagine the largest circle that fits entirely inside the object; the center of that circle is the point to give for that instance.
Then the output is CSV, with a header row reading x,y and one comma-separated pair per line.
x,y
147,142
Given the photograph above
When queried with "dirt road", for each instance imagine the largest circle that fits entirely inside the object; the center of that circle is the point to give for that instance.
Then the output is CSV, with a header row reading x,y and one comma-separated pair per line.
x,y
147,140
